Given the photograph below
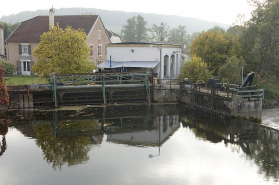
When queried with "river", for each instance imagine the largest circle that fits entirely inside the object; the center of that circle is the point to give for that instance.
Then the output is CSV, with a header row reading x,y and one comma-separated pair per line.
x,y
135,144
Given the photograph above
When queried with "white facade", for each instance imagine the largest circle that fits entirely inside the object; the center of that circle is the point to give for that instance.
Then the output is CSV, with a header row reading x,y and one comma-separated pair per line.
x,y
170,59
2,46
115,39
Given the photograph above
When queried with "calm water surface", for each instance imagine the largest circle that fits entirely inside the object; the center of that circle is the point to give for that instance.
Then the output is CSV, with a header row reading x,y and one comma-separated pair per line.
x,y
163,144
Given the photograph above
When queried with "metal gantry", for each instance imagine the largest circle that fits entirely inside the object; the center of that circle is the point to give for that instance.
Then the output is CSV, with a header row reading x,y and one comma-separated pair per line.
x,y
104,79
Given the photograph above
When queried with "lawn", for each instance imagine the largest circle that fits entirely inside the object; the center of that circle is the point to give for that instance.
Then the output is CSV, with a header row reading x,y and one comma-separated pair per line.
x,y
23,80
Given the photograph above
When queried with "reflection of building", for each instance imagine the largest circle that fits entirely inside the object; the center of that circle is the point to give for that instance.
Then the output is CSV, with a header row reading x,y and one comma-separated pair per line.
x,y
164,126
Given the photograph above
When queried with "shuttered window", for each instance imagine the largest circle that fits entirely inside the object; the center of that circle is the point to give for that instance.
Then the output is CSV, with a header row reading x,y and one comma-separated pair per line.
x,y
24,49
91,50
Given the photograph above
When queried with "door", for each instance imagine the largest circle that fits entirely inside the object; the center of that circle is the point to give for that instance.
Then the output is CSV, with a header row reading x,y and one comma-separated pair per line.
x,y
25,68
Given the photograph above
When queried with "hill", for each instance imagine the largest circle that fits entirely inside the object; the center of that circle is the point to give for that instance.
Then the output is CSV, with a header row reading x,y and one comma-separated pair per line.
x,y
114,20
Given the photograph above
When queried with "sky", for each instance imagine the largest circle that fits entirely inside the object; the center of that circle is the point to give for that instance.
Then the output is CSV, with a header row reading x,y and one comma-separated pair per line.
x,y
222,11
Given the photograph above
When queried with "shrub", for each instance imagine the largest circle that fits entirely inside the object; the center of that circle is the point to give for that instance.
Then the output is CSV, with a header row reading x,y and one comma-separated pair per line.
x,y
8,67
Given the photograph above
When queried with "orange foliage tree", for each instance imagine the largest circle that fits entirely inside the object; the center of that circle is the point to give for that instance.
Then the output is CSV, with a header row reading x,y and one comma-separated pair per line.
x,y
4,96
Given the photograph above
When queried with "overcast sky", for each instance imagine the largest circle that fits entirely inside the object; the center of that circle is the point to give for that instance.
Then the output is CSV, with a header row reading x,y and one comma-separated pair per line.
x,y
222,11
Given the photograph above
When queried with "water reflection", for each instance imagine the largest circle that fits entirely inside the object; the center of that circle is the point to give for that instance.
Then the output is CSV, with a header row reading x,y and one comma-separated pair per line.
x,y
4,127
257,143
67,137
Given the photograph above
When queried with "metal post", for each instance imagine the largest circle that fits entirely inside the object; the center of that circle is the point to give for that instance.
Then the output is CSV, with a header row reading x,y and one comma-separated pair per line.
x,y
241,73
147,88
160,74
104,92
54,90
54,126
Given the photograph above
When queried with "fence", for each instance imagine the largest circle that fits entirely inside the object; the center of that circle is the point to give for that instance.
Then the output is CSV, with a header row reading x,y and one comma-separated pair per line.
x,y
165,83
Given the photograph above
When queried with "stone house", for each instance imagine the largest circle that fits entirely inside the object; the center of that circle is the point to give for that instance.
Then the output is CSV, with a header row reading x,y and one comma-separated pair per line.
x,y
26,37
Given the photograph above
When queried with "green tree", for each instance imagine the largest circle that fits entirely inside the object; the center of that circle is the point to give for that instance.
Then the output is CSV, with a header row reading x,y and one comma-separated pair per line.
x,y
178,35
231,71
260,41
159,33
135,29
191,38
8,28
214,48
141,29
174,36
217,28
195,69
62,51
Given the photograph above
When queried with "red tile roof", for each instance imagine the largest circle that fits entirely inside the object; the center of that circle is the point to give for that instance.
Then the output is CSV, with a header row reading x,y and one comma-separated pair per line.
x,y
32,29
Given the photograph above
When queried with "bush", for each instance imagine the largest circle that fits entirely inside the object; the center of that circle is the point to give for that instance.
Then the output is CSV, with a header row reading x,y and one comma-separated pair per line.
x,y
9,68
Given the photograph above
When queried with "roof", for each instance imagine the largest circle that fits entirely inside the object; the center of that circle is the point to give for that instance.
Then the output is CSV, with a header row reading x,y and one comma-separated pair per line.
x,y
145,44
140,64
111,33
32,29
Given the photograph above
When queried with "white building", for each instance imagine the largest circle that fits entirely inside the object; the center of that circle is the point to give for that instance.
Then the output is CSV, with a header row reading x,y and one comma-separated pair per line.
x,y
162,58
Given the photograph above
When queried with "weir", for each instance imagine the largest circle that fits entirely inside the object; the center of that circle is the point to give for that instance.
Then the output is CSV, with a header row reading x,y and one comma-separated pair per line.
x,y
225,100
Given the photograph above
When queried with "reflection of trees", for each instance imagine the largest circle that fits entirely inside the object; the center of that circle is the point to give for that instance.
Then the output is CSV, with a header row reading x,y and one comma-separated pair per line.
x,y
260,145
70,150
265,153
3,131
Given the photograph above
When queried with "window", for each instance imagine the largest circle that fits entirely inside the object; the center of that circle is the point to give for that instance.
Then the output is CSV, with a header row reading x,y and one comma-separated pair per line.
x,y
91,50
99,34
24,49
100,50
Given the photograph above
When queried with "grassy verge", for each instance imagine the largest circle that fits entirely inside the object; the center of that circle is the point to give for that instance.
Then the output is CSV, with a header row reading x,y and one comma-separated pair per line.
x,y
23,80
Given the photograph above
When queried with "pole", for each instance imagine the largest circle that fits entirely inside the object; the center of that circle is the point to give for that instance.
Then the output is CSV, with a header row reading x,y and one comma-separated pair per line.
x,y
160,66
242,73
110,61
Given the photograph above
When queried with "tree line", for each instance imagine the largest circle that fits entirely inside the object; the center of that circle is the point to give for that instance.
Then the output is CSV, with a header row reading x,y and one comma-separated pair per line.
x,y
251,45
136,31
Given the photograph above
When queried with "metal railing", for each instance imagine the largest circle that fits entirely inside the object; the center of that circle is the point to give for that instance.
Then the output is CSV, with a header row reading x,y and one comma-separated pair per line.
x,y
103,79
165,83
255,94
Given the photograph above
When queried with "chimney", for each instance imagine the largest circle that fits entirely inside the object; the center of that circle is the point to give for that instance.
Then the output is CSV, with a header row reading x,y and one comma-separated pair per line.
x,y
51,18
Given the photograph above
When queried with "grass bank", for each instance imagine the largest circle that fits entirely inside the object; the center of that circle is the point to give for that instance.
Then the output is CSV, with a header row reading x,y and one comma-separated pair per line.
x,y
23,80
